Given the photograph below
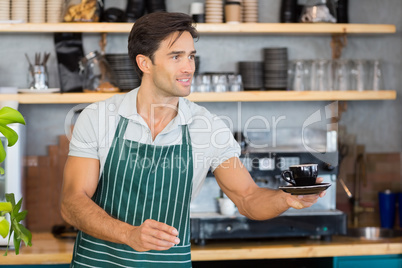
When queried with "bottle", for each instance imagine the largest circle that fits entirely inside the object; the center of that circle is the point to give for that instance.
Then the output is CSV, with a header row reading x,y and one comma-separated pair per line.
x,y
288,12
342,11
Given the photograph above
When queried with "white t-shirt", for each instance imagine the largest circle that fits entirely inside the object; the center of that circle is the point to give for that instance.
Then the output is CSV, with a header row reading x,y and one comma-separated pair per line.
x,y
212,141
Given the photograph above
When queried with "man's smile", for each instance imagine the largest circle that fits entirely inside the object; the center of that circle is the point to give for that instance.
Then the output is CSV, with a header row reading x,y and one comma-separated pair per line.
x,y
184,81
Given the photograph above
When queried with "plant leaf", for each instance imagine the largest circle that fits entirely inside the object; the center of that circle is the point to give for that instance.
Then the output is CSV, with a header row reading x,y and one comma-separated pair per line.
x,y
5,206
20,232
4,227
9,238
17,243
10,134
2,154
17,208
9,115
26,235
21,216
10,198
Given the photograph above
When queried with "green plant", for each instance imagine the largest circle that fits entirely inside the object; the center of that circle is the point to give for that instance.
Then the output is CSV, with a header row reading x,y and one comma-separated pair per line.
x,y
8,116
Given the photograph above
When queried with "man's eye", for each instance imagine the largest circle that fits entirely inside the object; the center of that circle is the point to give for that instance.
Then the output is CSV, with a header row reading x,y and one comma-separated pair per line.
x,y
191,57
175,57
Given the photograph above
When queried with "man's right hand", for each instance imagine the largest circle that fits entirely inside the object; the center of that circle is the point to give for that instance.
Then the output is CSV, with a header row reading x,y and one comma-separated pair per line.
x,y
152,235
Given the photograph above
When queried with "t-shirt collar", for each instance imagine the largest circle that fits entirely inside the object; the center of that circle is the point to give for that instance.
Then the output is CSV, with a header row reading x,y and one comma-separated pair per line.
x,y
128,108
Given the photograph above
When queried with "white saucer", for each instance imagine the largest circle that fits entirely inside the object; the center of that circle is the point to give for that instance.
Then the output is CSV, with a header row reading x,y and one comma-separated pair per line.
x,y
305,190
36,91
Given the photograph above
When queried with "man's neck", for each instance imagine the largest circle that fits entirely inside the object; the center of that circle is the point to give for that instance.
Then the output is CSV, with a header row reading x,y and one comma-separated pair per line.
x,y
156,110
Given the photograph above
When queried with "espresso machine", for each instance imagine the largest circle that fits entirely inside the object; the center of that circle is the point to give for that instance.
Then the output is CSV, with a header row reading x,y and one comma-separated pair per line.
x,y
265,164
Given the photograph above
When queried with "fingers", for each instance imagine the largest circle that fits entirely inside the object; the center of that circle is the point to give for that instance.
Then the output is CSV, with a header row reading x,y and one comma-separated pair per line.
x,y
322,194
302,201
163,231
319,180
153,235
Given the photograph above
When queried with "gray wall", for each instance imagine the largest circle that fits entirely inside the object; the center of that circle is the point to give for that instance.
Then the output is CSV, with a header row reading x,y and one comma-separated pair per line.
x,y
377,124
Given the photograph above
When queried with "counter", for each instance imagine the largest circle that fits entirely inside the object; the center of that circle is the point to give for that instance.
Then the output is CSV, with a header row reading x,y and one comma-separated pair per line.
x,y
48,250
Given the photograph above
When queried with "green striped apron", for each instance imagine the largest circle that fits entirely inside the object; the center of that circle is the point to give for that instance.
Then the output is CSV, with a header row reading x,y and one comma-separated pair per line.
x,y
139,182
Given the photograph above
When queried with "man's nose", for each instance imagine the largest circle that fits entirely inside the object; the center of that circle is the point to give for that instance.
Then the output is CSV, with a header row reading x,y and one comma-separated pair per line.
x,y
188,66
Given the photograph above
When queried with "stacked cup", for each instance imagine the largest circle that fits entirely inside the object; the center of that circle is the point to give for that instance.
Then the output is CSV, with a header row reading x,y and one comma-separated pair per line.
x,y
214,11
250,11
4,9
54,10
19,10
123,70
233,13
252,74
276,68
37,11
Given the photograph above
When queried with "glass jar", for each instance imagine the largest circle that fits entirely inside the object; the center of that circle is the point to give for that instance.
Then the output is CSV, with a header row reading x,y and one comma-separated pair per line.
x,y
319,11
97,74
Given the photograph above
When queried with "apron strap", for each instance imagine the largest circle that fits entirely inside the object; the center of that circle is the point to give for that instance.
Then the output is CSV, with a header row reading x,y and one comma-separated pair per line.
x,y
123,122
121,127
186,139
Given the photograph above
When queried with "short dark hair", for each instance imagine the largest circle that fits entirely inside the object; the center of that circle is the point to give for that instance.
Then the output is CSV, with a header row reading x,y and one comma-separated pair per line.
x,y
150,30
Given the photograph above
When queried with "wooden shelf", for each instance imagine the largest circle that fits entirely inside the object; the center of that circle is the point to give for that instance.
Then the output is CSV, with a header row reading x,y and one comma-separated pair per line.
x,y
47,249
244,96
207,28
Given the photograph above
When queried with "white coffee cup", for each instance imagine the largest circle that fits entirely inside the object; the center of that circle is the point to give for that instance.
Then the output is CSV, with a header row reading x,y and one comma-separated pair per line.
x,y
226,206
197,8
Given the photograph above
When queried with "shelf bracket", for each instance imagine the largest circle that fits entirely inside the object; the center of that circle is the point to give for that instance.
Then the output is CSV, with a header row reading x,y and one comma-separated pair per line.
x,y
103,43
338,42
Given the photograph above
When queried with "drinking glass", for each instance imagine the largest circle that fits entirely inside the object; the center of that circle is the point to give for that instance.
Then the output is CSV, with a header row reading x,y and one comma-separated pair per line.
x,y
375,81
341,74
359,75
39,79
194,84
321,75
235,82
203,83
219,83
299,75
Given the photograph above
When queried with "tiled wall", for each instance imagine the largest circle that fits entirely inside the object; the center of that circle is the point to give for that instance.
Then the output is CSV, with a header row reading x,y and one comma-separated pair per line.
x,y
43,182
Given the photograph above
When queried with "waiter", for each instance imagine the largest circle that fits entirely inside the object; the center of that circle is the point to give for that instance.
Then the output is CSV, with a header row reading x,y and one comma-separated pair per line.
x,y
136,160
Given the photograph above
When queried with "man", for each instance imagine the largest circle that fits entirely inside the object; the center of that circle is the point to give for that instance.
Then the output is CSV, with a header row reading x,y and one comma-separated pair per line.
x,y
136,160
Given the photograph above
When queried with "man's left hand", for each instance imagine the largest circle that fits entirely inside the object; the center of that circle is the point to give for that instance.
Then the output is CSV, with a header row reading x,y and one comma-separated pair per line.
x,y
304,201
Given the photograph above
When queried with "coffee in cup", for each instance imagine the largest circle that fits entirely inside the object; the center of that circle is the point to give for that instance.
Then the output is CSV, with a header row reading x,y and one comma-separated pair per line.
x,y
301,175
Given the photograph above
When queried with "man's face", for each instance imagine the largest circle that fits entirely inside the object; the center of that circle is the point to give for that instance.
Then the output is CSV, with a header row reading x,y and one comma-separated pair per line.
x,y
173,66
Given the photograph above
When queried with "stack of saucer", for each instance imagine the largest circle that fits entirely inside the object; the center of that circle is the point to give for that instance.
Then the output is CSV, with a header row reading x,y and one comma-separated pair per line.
x,y
4,9
250,10
155,5
123,71
252,74
37,11
19,10
213,11
54,9
276,68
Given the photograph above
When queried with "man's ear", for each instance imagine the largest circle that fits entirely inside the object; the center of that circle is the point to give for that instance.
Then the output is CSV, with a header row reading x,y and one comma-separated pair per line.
x,y
143,63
